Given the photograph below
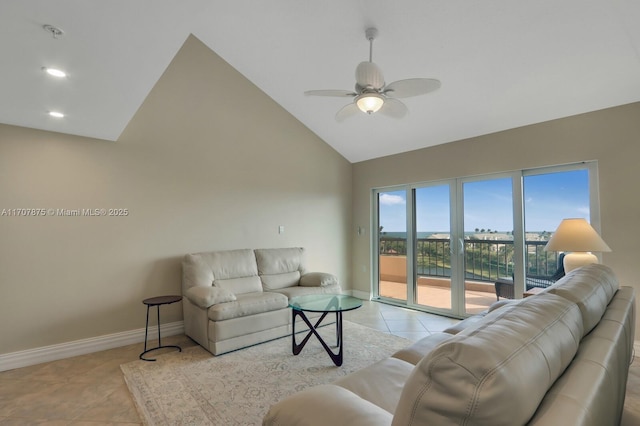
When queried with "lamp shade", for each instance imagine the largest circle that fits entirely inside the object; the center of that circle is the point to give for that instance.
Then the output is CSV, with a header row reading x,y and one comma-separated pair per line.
x,y
576,235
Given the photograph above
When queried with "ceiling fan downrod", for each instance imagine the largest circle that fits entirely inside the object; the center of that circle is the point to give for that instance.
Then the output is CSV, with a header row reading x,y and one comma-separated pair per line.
x,y
371,34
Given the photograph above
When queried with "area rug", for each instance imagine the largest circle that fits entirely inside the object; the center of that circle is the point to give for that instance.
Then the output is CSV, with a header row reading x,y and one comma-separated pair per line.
x,y
195,388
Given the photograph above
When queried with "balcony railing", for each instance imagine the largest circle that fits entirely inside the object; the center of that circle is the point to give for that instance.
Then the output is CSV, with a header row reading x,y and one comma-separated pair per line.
x,y
485,260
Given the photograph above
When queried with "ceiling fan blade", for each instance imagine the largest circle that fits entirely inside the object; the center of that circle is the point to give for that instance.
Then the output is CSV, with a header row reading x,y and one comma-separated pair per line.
x,y
393,108
334,93
347,111
411,87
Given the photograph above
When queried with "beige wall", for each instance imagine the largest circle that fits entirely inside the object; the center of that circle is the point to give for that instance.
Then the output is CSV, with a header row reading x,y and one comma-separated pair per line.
x,y
209,162
611,136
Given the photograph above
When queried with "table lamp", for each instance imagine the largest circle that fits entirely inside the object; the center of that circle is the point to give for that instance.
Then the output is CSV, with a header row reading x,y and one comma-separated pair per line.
x,y
577,237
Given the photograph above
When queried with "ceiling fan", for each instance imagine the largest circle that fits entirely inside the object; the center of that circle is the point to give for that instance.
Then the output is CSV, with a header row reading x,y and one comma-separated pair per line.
x,y
372,95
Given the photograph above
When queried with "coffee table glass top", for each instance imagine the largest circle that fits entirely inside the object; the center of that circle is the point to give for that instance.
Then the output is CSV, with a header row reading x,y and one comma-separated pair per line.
x,y
324,303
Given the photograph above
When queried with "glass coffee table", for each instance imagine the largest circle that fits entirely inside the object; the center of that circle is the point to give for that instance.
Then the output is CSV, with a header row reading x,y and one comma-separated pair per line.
x,y
325,304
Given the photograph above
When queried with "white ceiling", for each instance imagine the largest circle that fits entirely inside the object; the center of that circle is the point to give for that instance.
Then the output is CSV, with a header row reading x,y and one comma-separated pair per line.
x,y
502,63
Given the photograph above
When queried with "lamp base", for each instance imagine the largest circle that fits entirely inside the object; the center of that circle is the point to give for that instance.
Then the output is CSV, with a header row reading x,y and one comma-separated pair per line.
x,y
577,259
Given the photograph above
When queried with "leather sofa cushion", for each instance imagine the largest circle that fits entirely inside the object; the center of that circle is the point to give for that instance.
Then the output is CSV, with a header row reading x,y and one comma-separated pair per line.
x,y
201,269
465,323
326,405
496,373
417,350
591,391
591,287
277,281
248,304
280,260
380,383
240,285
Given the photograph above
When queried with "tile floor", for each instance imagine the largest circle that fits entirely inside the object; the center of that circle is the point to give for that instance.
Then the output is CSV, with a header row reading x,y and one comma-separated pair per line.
x,y
90,390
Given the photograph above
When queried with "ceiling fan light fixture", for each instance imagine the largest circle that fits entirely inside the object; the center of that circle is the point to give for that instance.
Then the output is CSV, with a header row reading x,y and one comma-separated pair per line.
x,y
369,102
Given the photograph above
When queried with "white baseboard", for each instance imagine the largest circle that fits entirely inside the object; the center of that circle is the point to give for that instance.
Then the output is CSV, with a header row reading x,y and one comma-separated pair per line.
x,y
85,346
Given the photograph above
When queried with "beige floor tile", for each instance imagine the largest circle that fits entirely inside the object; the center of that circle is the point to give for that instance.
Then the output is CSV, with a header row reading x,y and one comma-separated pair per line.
x,y
411,324
115,407
377,324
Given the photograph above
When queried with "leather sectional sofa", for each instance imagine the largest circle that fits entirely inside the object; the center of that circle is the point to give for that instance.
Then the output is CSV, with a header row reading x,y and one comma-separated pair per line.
x,y
238,298
557,358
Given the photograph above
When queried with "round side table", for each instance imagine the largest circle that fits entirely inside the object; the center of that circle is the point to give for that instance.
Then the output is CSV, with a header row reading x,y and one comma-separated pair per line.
x,y
157,302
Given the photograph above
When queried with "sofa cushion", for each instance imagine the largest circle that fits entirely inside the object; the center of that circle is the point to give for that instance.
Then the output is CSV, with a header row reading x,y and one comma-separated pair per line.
x,y
591,287
496,373
201,269
279,260
591,391
207,296
248,304
276,281
240,285
465,323
380,383
326,405
417,350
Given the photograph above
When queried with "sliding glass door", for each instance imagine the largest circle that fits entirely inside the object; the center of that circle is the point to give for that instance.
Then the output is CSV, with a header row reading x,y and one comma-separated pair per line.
x,y
392,245
442,246
550,196
433,252
488,239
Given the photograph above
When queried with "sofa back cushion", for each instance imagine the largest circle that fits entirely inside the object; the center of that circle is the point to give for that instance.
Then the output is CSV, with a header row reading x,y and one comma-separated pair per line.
x,y
281,267
591,391
495,373
590,287
240,285
233,270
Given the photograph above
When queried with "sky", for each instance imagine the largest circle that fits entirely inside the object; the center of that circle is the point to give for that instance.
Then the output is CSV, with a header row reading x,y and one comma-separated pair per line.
x,y
548,198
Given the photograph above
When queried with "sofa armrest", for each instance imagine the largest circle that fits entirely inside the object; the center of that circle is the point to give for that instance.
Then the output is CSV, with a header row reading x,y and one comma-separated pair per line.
x,y
318,279
209,296
326,405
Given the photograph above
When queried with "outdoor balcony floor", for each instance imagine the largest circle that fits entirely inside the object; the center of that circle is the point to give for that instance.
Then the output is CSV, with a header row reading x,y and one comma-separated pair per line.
x,y
440,296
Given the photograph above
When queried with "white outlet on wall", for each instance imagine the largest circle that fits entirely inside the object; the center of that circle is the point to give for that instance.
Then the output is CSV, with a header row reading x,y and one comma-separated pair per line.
x,y
281,229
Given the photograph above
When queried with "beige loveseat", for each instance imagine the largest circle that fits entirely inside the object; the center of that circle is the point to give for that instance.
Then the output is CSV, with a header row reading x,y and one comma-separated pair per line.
x,y
237,298
558,358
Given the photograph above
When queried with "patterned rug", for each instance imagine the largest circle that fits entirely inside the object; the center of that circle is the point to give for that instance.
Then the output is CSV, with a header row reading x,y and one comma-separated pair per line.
x,y
195,388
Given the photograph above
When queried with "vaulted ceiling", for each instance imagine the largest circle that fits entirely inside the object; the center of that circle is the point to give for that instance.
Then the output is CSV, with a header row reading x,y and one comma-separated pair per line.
x,y
502,63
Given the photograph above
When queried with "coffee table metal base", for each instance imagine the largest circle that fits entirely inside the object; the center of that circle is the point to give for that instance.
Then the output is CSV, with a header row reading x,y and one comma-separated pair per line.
x,y
297,348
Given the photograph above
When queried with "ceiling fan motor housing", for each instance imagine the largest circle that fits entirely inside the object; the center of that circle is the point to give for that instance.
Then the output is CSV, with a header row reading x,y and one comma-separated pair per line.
x,y
368,75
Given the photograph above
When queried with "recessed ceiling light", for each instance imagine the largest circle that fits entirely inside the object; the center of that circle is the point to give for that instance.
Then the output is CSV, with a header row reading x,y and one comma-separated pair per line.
x,y
56,114
55,72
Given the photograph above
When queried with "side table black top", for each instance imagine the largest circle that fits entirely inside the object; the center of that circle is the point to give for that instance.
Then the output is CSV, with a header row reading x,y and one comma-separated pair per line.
x,y
157,302
161,300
